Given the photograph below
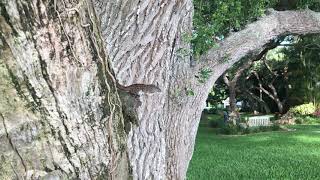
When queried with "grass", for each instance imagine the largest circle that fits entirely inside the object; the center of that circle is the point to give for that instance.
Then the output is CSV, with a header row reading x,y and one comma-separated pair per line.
x,y
268,155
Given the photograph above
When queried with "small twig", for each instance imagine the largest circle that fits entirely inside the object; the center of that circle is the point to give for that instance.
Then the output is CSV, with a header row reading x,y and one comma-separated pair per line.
x,y
113,164
65,33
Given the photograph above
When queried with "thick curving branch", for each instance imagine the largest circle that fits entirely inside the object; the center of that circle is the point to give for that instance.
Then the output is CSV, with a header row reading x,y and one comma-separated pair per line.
x,y
258,36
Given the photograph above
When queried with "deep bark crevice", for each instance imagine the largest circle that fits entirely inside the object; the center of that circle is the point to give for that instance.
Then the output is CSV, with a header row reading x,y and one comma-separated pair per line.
x,y
12,145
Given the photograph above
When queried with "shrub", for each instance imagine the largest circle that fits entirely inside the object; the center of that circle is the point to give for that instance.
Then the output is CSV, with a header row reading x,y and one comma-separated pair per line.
x,y
307,119
212,111
247,131
272,119
277,116
317,113
275,127
311,120
255,129
299,120
264,128
229,129
213,123
304,109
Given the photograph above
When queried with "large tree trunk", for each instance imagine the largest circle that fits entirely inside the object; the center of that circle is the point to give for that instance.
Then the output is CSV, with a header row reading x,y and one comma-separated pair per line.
x,y
143,39
54,59
232,97
60,114
231,84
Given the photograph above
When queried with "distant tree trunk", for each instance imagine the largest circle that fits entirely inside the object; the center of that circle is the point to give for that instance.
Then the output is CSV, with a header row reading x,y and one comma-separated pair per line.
x,y
276,98
261,102
60,113
232,83
272,93
232,97
53,56
232,92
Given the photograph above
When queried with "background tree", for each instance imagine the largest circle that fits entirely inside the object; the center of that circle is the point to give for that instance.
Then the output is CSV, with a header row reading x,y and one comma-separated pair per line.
x,y
231,82
304,70
288,75
271,77
217,94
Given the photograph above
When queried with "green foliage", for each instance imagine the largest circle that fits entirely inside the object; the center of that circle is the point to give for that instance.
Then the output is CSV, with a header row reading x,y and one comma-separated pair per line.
x,y
304,109
317,113
275,127
211,120
215,123
304,68
204,75
311,120
229,129
273,119
297,70
268,155
188,37
299,120
183,52
175,93
217,94
213,20
251,130
210,111
307,119
190,92
310,4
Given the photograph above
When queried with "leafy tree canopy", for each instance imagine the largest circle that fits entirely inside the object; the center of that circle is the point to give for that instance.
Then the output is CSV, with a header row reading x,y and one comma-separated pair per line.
x,y
304,68
215,19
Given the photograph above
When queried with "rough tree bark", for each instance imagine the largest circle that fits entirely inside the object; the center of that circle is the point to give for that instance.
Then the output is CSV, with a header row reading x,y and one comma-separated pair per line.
x,y
60,114
143,39
69,86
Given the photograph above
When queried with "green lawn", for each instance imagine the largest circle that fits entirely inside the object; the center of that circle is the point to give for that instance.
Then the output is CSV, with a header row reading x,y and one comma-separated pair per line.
x,y
268,155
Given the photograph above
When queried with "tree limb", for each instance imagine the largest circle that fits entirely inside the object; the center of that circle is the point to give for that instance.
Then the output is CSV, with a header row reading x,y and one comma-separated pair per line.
x,y
274,91
269,68
257,36
225,79
241,69
262,88
256,98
